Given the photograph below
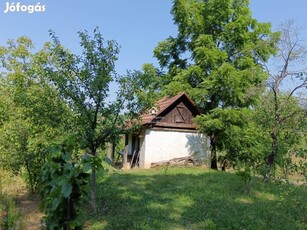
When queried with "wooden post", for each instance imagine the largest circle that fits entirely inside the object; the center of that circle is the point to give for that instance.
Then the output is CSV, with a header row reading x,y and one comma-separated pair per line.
x,y
126,164
110,151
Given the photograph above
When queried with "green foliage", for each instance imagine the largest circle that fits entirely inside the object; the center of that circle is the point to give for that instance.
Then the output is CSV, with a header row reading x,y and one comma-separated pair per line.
x,y
286,127
138,91
301,165
217,57
236,135
32,113
282,109
245,172
83,81
65,181
10,217
51,94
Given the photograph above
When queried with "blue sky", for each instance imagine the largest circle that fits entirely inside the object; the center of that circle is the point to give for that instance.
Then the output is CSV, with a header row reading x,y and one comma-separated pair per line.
x,y
137,25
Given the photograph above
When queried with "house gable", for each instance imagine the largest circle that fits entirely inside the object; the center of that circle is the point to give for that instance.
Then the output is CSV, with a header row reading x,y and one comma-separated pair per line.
x,y
179,114
173,112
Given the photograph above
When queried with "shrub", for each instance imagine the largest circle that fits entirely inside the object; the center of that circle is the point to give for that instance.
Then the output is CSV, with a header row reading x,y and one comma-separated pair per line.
x,y
64,188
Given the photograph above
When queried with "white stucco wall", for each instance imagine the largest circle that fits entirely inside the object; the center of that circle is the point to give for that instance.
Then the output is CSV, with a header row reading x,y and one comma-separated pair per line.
x,y
161,145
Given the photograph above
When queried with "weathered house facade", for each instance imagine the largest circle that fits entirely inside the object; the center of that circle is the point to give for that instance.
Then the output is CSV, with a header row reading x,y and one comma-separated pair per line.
x,y
167,132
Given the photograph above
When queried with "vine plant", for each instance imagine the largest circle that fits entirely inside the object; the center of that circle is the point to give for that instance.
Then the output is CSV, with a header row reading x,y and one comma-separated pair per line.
x,y
65,184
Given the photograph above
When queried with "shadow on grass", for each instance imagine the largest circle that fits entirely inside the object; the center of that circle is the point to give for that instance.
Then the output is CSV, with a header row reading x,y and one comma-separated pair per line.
x,y
178,200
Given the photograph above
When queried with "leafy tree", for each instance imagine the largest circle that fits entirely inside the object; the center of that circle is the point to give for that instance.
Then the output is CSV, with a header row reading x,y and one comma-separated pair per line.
x,y
217,57
83,81
282,111
238,137
31,110
285,133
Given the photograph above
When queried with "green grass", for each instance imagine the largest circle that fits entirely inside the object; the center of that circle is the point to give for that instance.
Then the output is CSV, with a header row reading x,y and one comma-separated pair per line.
x,y
10,185
193,198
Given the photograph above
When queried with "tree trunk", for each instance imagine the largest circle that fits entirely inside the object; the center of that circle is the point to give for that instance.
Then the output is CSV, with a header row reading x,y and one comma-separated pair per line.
x,y
213,152
93,184
224,165
93,189
271,157
29,173
69,210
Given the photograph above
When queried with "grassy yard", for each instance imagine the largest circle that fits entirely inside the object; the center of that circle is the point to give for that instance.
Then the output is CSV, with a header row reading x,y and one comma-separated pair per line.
x,y
194,198
178,198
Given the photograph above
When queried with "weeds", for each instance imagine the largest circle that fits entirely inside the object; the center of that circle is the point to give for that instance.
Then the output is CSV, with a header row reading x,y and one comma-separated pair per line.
x,y
10,218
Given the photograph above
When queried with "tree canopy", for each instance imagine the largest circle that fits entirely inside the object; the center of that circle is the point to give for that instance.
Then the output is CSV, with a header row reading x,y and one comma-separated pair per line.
x,y
32,113
218,58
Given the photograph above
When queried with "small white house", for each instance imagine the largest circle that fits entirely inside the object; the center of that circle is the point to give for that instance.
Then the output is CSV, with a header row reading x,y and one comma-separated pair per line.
x,y
167,132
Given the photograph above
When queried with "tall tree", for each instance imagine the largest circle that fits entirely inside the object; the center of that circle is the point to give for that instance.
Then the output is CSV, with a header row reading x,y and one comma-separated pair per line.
x,y
31,110
217,57
284,113
84,81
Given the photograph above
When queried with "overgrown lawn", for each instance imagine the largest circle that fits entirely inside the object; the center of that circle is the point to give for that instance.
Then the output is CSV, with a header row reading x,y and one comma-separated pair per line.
x,y
194,198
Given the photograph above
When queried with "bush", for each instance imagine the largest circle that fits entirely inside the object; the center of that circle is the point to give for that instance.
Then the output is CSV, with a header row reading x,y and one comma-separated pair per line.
x,y
64,188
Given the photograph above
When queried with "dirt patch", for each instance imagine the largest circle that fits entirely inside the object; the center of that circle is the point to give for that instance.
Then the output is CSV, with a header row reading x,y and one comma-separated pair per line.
x,y
28,205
